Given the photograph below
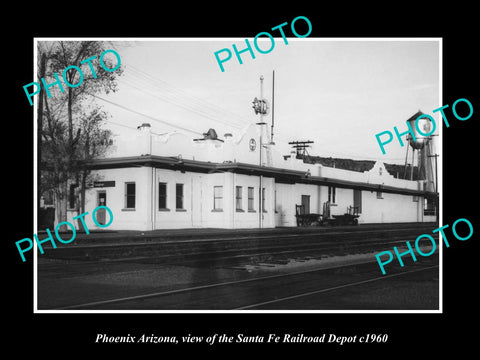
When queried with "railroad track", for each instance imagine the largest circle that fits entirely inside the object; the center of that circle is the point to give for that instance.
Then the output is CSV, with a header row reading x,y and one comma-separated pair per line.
x,y
271,291
233,259
105,237
181,251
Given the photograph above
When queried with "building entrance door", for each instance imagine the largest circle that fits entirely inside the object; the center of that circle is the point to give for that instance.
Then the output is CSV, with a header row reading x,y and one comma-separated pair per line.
x,y
357,200
101,201
305,204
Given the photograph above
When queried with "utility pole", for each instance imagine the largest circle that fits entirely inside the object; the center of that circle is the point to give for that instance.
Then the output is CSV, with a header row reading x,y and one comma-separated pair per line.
x,y
301,147
260,107
437,202
273,108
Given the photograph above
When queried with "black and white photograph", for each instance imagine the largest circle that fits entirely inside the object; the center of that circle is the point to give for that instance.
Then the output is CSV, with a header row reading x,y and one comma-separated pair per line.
x,y
237,180
170,184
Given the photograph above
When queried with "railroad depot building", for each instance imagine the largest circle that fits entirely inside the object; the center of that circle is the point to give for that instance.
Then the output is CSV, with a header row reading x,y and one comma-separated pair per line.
x,y
174,180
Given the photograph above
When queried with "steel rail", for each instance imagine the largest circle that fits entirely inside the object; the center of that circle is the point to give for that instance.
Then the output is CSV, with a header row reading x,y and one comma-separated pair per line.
x,y
229,239
246,252
332,288
233,283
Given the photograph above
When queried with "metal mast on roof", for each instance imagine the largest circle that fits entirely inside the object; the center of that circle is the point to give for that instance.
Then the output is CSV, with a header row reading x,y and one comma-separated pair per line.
x,y
260,107
273,108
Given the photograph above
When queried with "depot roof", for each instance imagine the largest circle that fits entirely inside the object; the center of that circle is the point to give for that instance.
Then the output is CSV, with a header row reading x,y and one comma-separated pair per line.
x,y
281,175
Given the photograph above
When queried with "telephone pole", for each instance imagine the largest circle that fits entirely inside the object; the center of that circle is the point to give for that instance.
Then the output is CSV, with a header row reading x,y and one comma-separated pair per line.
x,y
437,202
301,147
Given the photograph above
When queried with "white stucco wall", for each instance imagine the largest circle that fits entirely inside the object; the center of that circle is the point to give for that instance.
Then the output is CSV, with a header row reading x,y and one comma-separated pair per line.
x,y
131,219
198,200
289,195
198,188
391,208
198,192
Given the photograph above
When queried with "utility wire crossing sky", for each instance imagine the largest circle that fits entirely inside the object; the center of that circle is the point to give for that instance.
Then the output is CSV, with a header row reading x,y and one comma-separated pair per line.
x,y
336,92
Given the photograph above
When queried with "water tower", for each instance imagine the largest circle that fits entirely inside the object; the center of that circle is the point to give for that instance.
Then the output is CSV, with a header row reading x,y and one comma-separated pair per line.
x,y
422,144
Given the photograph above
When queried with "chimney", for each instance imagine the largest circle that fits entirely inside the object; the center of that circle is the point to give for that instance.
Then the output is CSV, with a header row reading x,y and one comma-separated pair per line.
x,y
144,127
146,136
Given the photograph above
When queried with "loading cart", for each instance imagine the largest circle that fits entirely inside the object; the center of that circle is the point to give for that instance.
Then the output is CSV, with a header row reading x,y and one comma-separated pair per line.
x,y
348,218
306,219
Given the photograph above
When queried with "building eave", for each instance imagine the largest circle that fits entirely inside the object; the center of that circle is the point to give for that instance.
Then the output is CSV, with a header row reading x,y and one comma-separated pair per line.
x,y
151,160
288,176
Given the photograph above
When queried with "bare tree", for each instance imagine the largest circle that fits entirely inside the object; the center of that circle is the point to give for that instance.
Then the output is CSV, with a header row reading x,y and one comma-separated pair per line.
x,y
70,121
94,142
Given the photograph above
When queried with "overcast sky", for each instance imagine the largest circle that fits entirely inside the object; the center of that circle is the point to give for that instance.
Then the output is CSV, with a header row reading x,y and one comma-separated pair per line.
x,y
338,93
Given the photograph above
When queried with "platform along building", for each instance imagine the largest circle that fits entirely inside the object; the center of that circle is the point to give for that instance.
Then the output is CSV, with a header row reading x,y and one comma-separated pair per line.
x,y
178,181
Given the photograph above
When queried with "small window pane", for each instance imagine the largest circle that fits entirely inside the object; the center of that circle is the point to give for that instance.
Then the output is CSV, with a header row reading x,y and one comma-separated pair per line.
x,y
331,194
263,200
238,197
162,195
218,197
218,191
251,199
130,195
179,196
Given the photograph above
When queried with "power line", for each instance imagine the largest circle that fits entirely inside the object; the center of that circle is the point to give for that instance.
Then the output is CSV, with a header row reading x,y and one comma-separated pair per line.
x,y
176,96
132,84
123,125
162,85
146,116
198,133
184,103
130,127
180,92
174,92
